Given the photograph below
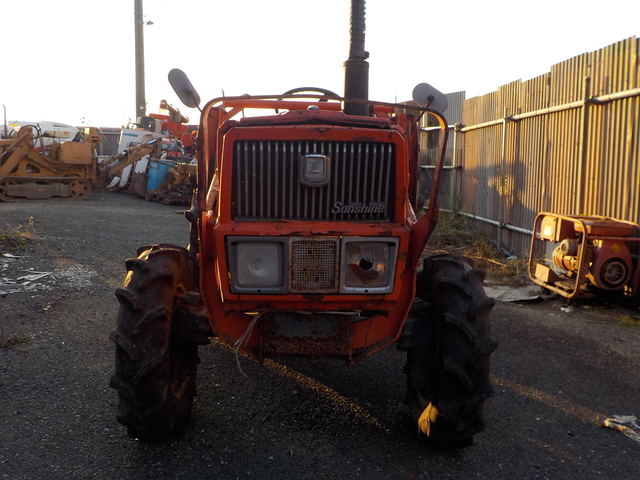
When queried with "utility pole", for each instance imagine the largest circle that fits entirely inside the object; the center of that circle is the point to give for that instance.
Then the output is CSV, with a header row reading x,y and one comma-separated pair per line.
x,y
141,102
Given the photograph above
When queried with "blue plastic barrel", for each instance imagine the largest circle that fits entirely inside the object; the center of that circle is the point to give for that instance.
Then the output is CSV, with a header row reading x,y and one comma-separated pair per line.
x,y
156,173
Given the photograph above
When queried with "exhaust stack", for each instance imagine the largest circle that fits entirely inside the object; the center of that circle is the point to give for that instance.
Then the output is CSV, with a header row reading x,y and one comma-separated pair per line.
x,y
356,68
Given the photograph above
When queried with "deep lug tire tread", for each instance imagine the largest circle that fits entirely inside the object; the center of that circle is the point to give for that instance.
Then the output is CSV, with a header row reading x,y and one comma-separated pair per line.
x,y
149,361
450,366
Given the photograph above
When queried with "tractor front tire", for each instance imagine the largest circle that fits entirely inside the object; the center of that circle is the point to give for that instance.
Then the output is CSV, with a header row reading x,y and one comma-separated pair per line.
x,y
155,371
448,360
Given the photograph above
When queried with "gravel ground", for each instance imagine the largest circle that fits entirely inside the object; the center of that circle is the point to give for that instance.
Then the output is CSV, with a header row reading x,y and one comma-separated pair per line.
x,y
558,375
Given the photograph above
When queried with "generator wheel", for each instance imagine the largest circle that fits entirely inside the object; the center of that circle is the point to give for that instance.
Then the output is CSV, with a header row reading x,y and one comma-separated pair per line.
x,y
448,361
155,372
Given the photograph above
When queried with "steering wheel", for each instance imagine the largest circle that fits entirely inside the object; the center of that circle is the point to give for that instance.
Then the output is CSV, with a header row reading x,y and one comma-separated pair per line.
x,y
323,91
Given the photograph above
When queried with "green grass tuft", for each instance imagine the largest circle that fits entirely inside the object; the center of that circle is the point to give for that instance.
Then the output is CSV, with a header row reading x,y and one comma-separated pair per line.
x,y
15,239
15,341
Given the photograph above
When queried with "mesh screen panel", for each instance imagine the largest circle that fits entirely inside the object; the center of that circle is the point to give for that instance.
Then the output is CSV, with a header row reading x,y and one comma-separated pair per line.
x,y
313,266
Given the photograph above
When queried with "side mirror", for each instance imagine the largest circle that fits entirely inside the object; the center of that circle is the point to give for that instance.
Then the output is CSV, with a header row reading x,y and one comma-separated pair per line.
x,y
427,96
183,88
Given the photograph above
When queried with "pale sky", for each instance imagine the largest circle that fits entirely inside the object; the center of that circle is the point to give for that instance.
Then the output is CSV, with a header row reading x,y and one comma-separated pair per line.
x,y
73,61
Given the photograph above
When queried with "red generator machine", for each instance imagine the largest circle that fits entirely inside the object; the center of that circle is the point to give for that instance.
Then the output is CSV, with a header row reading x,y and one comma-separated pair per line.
x,y
582,255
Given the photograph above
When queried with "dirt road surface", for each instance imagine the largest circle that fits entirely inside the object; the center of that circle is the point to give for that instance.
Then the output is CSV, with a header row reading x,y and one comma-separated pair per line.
x,y
557,375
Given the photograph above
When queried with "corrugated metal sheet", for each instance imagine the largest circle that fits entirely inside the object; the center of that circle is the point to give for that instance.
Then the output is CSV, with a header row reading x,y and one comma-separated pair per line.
x,y
450,183
566,142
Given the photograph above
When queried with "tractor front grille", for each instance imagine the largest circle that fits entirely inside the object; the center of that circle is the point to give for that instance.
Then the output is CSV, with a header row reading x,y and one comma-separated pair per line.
x,y
267,185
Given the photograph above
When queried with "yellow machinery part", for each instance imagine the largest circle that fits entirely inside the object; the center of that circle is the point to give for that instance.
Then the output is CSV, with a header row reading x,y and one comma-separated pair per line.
x,y
61,170
428,417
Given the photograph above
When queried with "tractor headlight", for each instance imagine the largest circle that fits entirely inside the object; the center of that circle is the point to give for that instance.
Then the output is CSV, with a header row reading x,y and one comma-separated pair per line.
x,y
368,265
256,264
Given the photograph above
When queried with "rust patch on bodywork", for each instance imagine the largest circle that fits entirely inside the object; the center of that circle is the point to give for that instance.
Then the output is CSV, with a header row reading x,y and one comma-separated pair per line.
x,y
311,335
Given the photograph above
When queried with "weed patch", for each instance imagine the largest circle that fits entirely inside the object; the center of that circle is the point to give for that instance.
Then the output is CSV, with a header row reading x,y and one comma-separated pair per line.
x,y
455,235
15,341
15,239
630,320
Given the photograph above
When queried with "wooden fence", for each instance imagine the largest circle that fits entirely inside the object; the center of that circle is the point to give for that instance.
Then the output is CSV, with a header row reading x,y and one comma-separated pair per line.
x,y
566,142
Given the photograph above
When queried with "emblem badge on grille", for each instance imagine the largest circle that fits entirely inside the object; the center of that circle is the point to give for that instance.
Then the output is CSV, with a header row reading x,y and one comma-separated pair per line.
x,y
314,170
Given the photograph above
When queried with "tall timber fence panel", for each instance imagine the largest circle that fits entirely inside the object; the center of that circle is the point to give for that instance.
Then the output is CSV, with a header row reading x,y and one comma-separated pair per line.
x,y
449,196
565,142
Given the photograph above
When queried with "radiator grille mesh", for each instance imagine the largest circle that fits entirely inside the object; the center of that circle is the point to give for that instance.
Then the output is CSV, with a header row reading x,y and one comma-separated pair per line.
x,y
313,266
266,182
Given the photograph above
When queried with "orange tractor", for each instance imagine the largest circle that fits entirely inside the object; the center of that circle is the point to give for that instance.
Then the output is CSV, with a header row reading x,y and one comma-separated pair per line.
x,y
304,242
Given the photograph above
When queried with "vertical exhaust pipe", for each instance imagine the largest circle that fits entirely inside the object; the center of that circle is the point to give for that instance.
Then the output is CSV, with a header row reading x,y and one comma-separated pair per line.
x,y
356,68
